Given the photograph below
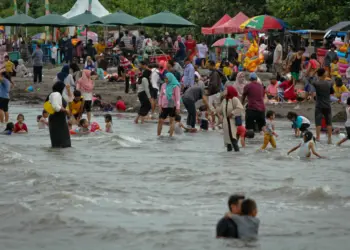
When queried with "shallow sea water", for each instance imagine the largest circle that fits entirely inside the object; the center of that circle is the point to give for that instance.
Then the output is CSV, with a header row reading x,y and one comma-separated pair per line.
x,y
131,190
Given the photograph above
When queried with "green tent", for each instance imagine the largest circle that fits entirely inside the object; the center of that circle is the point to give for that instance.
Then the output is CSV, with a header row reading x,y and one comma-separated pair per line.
x,y
53,20
85,19
166,19
120,18
18,20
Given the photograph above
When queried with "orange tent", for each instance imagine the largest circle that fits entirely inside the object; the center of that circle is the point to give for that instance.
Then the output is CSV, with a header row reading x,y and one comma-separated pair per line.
x,y
232,26
210,30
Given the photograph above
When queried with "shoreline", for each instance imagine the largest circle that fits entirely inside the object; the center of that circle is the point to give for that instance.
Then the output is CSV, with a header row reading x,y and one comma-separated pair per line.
x,y
111,90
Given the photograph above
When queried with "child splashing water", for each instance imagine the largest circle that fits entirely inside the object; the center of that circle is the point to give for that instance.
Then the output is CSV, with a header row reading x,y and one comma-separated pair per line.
x,y
347,124
108,121
42,120
306,147
83,127
269,130
300,124
20,126
10,127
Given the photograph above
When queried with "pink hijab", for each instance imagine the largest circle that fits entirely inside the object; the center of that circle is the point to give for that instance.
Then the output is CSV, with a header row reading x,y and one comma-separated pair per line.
x,y
85,83
240,83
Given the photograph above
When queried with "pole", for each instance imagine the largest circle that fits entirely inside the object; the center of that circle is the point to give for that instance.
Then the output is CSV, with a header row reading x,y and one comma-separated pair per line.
x,y
90,5
27,11
47,12
15,12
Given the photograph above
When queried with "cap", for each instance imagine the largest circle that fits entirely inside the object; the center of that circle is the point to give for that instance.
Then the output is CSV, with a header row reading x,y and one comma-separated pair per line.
x,y
253,76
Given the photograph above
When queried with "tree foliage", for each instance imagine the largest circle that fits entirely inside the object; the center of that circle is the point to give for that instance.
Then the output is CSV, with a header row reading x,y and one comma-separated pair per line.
x,y
315,14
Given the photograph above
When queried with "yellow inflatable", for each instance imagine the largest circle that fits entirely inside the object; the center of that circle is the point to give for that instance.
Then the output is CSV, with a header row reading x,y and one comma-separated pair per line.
x,y
253,59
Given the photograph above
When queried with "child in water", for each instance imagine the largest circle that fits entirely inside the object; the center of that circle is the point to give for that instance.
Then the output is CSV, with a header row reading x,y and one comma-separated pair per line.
x,y
42,120
307,146
20,126
269,130
204,118
9,129
179,127
242,133
347,123
108,121
300,124
247,223
83,127
76,107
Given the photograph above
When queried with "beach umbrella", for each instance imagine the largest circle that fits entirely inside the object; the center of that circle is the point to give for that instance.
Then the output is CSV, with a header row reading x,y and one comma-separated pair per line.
x,y
166,19
52,20
39,36
85,19
264,22
18,20
120,18
226,42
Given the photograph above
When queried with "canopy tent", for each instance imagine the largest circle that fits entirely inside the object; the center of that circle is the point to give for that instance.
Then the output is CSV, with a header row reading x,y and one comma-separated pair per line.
x,y
19,19
120,18
342,26
166,19
52,20
85,19
232,26
210,30
81,6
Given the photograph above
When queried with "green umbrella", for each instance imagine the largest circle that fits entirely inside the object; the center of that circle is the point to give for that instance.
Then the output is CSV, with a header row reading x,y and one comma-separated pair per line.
x,y
53,20
166,19
17,20
120,18
85,19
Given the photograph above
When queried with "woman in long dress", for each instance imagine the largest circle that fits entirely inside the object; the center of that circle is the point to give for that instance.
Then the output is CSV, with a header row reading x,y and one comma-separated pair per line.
x,y
231,110
58,127
65,77
144,95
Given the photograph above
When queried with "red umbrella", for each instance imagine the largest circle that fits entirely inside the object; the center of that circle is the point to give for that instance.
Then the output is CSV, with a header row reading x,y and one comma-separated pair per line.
x,y
210,30
232,26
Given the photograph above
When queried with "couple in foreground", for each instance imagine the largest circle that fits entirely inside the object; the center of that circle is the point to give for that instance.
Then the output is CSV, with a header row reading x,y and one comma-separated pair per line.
x,y
240,222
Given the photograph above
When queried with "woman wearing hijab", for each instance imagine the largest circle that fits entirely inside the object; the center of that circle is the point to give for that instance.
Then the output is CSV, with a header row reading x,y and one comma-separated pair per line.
x,y
231,110
169,102
180,49
240,83
58,127
76,71
86,85
68,80
144,95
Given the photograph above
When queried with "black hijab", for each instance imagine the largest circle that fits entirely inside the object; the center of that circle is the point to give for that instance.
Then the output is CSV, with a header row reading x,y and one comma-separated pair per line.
x,y
57,87
146,74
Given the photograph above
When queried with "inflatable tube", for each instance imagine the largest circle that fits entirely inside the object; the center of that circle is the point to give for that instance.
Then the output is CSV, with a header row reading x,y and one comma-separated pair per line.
x,y
321,52
343,65
340,54
72,132
343,61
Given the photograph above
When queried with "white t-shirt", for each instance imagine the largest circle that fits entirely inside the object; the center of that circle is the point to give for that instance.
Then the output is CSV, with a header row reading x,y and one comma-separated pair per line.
x,y
155,78
87,96
54,53
202,50
278,53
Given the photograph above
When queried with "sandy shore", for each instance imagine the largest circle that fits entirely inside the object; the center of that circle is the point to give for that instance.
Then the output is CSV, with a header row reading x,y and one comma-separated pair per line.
x,y
109,92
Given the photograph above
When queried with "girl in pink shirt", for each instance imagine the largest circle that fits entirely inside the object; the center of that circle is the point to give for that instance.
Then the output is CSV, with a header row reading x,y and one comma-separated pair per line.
x,y
271,90
169,102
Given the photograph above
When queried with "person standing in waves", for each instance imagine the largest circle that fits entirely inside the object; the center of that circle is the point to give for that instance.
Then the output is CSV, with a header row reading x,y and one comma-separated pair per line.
x,y
226,227
58,127
231,110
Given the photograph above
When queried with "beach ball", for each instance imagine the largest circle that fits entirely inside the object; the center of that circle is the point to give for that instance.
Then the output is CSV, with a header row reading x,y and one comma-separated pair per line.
x,y
30,89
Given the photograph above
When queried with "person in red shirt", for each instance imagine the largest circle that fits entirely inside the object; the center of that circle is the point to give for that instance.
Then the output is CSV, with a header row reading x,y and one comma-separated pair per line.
x,y
20,126
120,105
289,91
190,47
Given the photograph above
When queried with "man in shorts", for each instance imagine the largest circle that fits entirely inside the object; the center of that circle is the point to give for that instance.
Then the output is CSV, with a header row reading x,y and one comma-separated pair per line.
x,y
323,87
5,87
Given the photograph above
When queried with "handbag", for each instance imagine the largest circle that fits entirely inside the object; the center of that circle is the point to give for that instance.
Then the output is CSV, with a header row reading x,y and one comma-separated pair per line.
x,y
48,108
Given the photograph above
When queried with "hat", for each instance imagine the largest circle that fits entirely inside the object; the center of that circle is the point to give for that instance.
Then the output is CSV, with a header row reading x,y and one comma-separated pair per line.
x,y
253,76
167,33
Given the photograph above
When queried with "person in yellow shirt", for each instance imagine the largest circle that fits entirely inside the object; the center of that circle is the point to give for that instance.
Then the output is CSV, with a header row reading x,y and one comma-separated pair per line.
x,y
76,107
227,70
335,68
9,66
100,47
339,88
